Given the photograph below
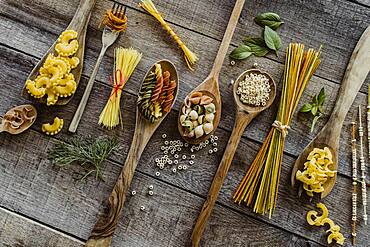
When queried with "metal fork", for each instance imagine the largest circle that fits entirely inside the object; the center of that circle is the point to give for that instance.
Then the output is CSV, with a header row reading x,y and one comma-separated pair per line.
x,y
108,38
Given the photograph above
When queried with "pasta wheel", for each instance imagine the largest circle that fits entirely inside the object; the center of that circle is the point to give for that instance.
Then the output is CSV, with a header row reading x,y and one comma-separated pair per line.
x,y
73,61
54,128
52,97
66,86
68,45
35,91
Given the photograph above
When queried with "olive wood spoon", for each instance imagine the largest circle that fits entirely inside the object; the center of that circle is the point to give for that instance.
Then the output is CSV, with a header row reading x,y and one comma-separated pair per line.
x,y
103,230
244,115
79,24
210,86
31,113
356,72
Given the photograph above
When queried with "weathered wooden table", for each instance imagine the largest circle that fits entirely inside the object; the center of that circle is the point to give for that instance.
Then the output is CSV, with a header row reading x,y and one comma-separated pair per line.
x,y
42,205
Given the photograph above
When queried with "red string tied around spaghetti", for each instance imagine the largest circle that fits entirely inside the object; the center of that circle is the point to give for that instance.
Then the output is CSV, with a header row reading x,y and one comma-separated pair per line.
x,y
117,86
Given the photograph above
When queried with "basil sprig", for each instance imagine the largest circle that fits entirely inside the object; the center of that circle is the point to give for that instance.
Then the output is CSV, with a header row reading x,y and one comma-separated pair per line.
x,y
269,19
261,46
315,107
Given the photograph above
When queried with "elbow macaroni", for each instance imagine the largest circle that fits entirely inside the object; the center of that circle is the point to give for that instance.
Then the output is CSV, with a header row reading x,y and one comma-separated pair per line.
x,y
55,79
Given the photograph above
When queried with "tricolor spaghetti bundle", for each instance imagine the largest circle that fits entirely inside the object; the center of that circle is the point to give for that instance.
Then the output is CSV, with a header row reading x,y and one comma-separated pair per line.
x,y
259,187
125,61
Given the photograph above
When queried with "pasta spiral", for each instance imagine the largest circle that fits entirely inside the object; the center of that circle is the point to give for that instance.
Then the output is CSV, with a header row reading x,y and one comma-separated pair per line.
x,y
156,94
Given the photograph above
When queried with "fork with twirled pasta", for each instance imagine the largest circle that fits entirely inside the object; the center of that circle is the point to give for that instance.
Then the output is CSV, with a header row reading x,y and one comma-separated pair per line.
x,y
114,22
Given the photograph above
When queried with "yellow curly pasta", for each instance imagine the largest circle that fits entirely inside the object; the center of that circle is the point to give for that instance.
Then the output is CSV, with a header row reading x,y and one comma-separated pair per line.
x,y
52,98
54,128
316,171
66,86
314,220
55,79
67,43
73,61
34,90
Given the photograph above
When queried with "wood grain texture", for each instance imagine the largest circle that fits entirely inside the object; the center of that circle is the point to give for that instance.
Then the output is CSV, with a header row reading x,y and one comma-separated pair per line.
x,y
18,231
289,214
103,230
298,137
29,185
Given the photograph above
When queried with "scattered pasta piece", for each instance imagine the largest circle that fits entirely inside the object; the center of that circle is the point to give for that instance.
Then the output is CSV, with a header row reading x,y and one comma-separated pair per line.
x,y
55,79
316,171
314,220
54,128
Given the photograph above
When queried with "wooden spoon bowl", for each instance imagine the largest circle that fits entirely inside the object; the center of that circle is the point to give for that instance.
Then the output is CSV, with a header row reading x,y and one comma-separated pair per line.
x,y
244,115
104,229
27,111
196,141
79,24
252,108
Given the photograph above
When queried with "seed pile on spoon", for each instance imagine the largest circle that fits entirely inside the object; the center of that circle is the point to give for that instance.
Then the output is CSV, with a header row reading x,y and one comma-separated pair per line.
x,y
254,89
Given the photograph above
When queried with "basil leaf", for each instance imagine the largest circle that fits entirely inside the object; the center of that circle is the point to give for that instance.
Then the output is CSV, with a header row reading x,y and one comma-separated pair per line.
x,y
314,110
257,45
269,19
272,39
306,108
321,97
241,52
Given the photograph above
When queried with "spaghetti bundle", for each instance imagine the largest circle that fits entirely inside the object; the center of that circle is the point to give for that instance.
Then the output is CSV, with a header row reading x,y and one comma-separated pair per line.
x,y
125,61
259,187
190,57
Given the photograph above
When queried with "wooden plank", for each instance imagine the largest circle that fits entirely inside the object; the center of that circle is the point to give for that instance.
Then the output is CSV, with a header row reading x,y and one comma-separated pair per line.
x,y
298,137
18,231
49,194
289,214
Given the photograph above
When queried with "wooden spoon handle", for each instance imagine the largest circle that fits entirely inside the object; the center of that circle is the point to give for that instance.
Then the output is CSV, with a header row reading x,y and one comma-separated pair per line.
x,y
82,15
356,72
227,38
101,235
241,122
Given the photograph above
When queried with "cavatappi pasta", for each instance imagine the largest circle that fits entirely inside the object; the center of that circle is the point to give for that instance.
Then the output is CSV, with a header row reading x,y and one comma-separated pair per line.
x,y
54,128
156,94
314,219
316,170
55,79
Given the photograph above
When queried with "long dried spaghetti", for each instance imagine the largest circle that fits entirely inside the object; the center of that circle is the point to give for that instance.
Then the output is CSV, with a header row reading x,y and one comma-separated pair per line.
x,y
125,62
259,187
190,57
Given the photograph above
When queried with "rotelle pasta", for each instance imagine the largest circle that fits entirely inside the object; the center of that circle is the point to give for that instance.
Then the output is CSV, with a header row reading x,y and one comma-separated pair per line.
x,y
156,94
55,79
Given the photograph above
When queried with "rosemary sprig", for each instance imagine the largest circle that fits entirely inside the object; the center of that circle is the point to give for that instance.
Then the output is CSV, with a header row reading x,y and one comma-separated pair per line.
x,y
89,153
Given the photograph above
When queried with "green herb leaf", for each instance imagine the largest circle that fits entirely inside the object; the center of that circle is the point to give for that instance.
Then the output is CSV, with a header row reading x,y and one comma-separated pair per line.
x,y
306,108
269,19
314,121
257,46
321,97
314,110
272,39
241,52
